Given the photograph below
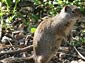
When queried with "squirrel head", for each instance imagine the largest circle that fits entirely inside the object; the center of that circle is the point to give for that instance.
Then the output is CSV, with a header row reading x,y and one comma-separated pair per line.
x,y
71,12
76,11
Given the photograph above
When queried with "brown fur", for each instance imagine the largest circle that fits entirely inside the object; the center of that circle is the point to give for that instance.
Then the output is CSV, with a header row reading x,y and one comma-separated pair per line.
x,y
50,33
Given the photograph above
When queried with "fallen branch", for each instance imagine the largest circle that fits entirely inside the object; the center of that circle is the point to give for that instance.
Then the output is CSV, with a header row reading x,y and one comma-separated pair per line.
x,y
17,60
3,46
27,48
17,51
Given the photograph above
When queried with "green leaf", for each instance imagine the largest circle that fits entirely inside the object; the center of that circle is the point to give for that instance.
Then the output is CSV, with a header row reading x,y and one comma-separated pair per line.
x,y
60,2
83,31
1,14
37,2
33,30
82,40
33,16
8,3
16,2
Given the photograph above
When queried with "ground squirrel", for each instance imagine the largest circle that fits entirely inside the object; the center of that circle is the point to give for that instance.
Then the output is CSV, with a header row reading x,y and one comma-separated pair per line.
x,y
51,31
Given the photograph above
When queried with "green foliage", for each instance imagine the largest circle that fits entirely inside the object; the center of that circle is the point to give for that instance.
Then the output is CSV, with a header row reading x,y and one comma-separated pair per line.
x,y
6,10
40,9
37,2
78,42
15,7
8,3
33,30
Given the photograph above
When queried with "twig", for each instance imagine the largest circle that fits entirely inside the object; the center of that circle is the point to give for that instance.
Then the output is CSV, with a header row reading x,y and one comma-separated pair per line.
x,y
11,44
79,53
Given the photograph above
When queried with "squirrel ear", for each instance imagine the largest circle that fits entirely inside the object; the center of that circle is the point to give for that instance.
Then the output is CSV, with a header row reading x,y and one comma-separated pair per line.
x,y
67,9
